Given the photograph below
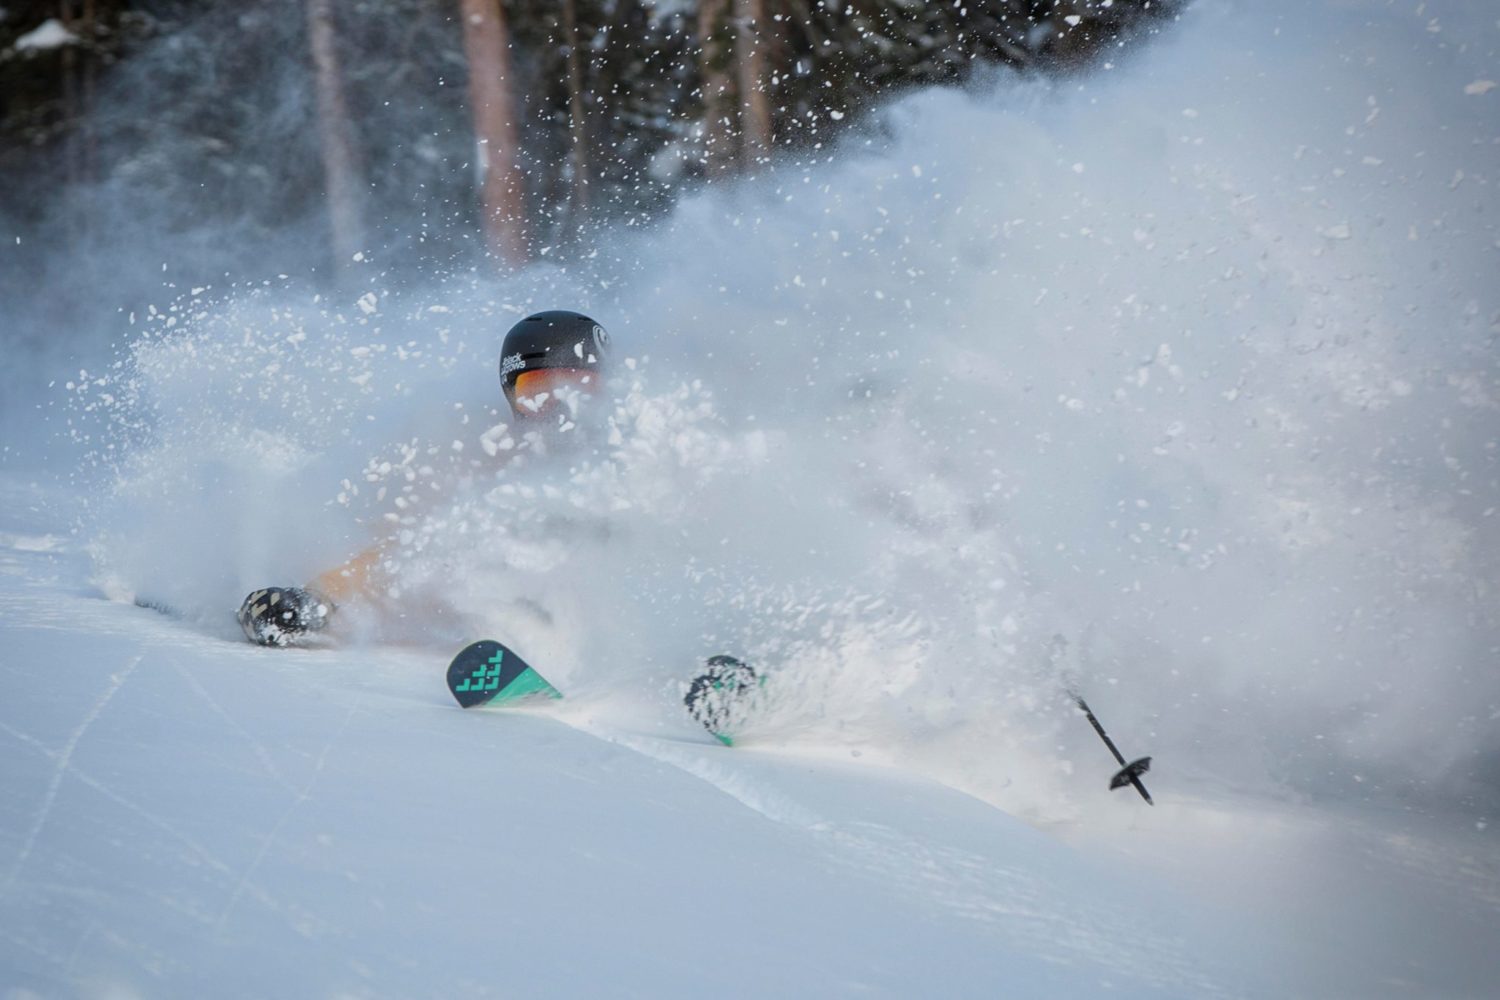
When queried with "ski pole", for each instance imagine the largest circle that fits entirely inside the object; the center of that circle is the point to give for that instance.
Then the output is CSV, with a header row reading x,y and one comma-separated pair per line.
x,y
1129,774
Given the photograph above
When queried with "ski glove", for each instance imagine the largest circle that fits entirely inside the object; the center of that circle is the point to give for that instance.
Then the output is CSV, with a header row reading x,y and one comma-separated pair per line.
x,y
280,616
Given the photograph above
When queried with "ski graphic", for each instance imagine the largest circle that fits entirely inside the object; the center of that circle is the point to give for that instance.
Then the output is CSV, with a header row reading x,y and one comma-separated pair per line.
x,y
488,673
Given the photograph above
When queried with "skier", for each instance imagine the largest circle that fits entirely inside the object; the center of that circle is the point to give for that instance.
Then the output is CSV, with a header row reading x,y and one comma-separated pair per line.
x,y
549,361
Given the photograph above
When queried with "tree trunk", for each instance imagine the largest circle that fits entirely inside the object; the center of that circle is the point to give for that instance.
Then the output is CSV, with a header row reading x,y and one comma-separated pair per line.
x,y
70,140
502,195
341,172
715,57
578,136
751,44
90,74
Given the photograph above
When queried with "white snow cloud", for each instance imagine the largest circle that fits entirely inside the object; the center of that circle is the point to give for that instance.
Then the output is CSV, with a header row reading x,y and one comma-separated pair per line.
x,y
869,381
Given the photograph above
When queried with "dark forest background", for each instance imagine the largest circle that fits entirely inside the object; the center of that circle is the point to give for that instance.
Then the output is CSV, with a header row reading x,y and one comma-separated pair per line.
x,y
203,138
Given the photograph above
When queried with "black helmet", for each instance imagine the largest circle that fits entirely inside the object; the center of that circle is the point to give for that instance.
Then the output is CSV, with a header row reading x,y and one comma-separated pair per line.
x,y
553,339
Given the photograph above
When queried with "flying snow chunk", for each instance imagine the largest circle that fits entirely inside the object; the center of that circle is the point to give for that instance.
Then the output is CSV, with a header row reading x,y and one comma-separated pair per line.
x,y
367,303
1479,87
31,543
50,34
1073,20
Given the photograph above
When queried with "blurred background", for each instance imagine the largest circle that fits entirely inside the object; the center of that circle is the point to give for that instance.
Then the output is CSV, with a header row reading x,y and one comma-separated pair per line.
x,y
146,142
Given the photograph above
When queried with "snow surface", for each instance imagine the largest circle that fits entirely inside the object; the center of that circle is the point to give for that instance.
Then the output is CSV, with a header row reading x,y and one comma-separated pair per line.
x,y
1177,383
193,816
187,815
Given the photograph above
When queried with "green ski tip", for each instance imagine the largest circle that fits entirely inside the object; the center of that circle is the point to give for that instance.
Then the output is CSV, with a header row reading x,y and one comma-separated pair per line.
x,y
528,684
486,672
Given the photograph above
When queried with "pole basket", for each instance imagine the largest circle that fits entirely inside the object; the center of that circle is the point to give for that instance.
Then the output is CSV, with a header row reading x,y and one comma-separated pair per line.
x,y
1130,773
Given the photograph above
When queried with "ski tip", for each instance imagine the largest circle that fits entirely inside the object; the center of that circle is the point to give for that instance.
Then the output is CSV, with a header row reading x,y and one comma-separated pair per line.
x,y
487,672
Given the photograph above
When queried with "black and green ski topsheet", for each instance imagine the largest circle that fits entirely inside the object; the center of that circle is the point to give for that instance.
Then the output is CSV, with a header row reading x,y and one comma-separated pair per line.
x,y
488,673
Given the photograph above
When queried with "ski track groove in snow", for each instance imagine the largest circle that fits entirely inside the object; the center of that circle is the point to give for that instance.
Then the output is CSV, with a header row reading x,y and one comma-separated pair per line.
x,y
191,844
773,806
1017,906
302,796
201,852
261,753
60,769
83,937
1021,907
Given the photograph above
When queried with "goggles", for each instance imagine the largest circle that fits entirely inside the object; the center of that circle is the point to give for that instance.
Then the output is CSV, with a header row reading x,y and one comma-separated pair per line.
x,y
536,390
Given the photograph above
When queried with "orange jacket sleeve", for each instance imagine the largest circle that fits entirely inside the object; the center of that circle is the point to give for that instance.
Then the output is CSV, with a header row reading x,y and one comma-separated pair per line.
x,y
359,578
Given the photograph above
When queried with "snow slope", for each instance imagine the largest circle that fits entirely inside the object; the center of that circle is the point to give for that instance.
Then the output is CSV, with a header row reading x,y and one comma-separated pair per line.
x,y
187,815
190,816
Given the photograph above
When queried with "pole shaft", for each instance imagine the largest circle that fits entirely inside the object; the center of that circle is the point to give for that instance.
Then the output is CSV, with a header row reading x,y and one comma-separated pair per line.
x,y
1098,728
1089,714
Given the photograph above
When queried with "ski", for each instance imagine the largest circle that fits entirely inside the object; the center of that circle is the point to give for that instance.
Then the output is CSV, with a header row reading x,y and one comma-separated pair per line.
x,y
488,673
160,607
